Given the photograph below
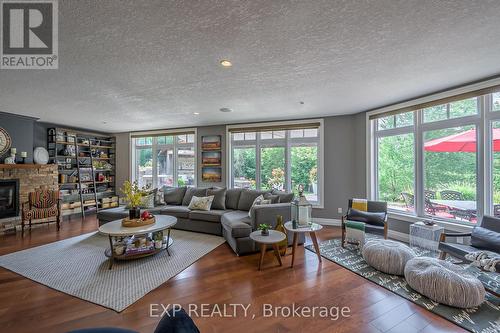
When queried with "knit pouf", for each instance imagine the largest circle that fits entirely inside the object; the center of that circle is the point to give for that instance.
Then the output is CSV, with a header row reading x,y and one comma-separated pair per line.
x,y
387,256
444,282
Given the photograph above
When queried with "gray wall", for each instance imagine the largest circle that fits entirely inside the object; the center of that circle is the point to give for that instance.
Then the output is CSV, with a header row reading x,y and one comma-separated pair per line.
x,y
20,130
122,159
212,130
344,165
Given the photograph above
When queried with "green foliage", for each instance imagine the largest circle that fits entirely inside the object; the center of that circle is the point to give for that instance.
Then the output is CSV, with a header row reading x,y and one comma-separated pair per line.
x,y
181,182
264,227
277,179
133,194
272,158
304,159
244,163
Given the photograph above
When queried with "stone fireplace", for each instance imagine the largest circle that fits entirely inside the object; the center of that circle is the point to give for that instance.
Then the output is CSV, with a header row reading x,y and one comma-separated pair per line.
x,y
16,181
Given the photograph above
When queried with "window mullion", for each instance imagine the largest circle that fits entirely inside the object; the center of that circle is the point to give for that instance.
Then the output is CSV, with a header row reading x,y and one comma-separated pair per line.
x,y
154,153
257,161
288,165
419,165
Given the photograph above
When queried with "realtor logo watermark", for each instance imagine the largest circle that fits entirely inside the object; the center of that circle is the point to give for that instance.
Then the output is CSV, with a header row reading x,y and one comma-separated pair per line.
x,y
29,34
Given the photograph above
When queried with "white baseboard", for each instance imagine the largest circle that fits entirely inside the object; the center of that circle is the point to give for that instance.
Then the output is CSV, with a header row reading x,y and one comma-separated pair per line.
x,y
400,236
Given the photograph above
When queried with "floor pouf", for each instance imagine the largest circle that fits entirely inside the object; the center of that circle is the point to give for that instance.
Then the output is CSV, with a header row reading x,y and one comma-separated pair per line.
x,y
387,256
444,282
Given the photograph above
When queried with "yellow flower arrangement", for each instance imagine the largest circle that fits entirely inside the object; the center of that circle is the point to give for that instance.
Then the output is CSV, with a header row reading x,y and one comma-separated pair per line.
x,y
133,194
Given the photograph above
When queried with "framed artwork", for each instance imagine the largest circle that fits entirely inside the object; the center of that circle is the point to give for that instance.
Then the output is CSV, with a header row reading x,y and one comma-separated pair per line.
x,y
211,142
211,158
211,174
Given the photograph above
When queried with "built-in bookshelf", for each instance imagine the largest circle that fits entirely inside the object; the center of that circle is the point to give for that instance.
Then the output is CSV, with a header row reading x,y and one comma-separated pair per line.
x,y
86,169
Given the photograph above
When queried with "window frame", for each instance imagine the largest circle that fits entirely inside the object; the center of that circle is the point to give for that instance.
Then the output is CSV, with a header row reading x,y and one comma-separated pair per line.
x,y
288,142
175,146
483,122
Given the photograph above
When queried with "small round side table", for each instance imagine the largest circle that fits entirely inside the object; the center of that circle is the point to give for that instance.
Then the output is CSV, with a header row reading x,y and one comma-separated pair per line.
x,y
273,239
311,229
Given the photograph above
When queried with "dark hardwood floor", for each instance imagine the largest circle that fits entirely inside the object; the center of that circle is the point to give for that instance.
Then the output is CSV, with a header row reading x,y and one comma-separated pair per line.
x,y
220,277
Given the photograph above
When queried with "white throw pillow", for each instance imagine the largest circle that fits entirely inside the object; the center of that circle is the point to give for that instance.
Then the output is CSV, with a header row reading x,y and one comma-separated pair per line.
x,y
201,203
258,201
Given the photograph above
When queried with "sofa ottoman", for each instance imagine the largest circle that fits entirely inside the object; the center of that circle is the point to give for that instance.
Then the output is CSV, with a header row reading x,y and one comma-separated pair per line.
x,y
444,282
387,256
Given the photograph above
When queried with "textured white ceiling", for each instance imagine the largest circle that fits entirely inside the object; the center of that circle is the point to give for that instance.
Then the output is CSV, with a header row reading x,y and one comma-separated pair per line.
x,y
141,65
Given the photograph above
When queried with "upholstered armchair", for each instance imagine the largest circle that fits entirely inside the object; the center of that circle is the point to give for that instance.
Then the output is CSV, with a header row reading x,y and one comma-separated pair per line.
x,y
41,205
375,218
484,237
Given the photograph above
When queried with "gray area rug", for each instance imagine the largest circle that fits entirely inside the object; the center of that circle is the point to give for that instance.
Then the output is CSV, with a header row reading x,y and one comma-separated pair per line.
x,y
77,266
484,319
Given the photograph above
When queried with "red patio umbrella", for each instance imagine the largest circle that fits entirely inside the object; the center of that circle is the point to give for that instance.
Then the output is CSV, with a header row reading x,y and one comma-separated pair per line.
x,y
460,142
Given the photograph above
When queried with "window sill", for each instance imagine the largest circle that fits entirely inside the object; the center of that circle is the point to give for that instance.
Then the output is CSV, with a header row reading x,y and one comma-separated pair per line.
x,y
448,225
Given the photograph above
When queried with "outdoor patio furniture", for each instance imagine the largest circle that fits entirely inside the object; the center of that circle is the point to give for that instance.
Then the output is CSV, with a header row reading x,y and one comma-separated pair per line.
x,y
430,194
484,237
409,200
496,210
451,195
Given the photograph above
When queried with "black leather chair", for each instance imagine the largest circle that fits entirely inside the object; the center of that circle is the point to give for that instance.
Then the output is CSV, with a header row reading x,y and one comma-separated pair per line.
x,y
377,225
484,237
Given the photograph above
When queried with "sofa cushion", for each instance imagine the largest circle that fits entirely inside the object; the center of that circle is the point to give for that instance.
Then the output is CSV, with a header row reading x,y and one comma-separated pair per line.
x,y
485,239
273,197
209,216
377,219
247,198
232,198
219,194
177,211
285,197
174,195
193,191
237,223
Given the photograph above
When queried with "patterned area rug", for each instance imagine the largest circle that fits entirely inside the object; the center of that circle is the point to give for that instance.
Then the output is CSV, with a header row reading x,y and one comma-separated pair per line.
x,y
77,266
485,318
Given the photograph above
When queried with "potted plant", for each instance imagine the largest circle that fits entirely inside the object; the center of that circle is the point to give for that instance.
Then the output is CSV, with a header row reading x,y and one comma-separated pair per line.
x,y
133,196
158,239
313,178
264,229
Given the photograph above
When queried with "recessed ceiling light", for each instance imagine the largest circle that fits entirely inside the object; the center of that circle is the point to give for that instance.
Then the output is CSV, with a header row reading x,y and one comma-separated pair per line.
x,y
225,63
301,102
225,110
196,113
104,122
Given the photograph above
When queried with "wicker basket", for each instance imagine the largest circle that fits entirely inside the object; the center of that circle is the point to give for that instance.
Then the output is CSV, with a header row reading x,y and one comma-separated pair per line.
x,y
134,223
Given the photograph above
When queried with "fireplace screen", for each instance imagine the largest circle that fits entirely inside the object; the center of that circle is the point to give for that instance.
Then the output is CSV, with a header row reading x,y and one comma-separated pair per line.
x,y
9,198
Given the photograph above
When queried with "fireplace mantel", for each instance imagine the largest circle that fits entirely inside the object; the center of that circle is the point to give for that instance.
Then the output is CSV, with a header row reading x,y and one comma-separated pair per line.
x,y
24,166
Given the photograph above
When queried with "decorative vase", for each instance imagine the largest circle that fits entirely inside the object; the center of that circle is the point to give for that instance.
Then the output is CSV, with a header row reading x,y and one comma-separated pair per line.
x,y
264,232
158,244
282,246
134,213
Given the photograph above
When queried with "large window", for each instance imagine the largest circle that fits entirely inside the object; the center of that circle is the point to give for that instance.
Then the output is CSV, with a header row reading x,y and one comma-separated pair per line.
x,y
278,159
431,162
166,160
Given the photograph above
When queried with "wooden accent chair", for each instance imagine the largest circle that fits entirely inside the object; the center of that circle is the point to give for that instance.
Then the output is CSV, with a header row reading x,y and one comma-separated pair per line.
x,y
378,227
43,204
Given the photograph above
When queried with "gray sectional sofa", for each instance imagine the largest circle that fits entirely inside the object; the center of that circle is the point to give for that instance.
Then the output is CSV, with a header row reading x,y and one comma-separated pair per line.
x,y
228,216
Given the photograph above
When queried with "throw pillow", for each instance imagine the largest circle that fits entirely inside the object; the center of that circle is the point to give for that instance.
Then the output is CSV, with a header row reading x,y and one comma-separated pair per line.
x,y
247,197
174,195
159,197
201,203
366,217
148,201
273,197
284,196
219,197
193,191
486,239
257,202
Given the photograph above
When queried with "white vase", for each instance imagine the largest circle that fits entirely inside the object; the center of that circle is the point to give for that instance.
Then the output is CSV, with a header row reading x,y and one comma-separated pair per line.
x,y
158,244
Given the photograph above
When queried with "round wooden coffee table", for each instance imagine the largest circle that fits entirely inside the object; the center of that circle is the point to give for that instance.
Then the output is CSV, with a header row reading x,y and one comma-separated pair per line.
x,y
115,229
273,239
311,229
